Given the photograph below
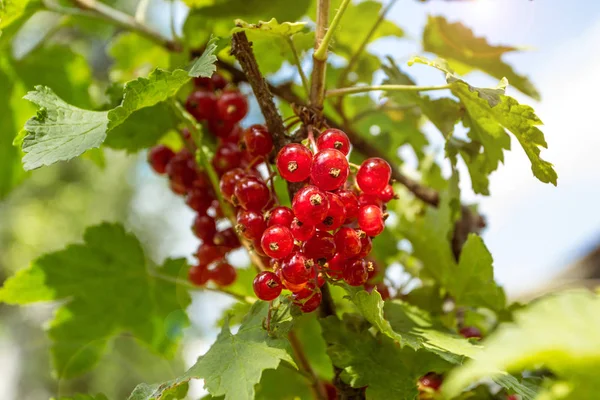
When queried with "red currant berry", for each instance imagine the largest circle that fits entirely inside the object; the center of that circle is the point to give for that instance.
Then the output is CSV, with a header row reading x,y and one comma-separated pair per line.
x,y
199,200
232,106
288,285
431,380
355,272
387,194
370,220
277,242
201,104
297,269
471,332
227,156
334,139
320,246
223,274
336,265
373,175
267,286
199,275
258,141
208,253
369,200
513,397
229,180
216,207
294,162
251,224
182,172
215,82
301,231
336,215
204,228
329,169
283,216
308,298
320,278
252,193
366,245
227,238
257,248
221,128
234,136
310,205
373,270
158,157
383,290
202,181
347,242
350,204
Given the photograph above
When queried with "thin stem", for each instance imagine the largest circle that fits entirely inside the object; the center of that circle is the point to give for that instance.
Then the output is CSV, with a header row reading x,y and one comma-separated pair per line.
x,y
385,88
321,51
316,384
298,64
317,88
103,11
363,45
190,286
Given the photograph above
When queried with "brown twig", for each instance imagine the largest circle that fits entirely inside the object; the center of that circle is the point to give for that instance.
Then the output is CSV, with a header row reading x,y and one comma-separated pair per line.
x,y
241,49
318,389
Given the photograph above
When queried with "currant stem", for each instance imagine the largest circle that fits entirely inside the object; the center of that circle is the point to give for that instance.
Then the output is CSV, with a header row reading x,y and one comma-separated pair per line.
x,y
385,88
298,64
317,386
321,51
317,88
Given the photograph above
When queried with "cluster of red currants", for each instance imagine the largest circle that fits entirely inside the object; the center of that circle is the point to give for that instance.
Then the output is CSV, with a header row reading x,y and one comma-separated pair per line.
x,y
221,108
328,230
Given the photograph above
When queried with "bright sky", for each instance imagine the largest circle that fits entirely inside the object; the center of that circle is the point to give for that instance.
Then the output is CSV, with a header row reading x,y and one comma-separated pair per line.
x,y
535,229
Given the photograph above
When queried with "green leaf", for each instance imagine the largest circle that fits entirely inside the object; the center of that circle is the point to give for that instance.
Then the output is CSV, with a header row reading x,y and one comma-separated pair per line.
x,y
479,289
470,281
309,333
284,383
87,277
489,113
135,56
13,13
204,66
390,372
159,86
60,131
412,326
234,363
465,52
560,332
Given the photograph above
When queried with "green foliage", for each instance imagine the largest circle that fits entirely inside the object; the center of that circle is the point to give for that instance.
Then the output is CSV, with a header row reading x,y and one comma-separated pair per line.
x,y
103,281
465,52
560,332
390,372
234,364
489,113
470,281
411,326
135,56
84,397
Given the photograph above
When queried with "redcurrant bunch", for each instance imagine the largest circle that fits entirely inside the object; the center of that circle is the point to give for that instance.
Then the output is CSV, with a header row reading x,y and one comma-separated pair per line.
x,y
329,228
220,107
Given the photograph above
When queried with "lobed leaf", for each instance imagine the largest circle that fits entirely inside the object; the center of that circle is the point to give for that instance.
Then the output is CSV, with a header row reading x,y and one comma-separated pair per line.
x,y
234,363
106,290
